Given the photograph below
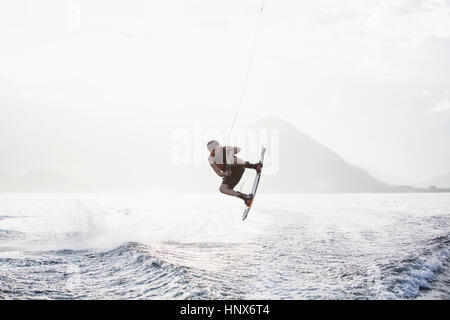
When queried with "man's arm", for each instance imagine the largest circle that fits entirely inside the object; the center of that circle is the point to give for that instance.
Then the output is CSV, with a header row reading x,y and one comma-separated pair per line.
x,y
217,170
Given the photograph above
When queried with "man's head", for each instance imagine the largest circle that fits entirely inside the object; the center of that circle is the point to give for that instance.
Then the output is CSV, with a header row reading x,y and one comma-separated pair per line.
x,y
212,145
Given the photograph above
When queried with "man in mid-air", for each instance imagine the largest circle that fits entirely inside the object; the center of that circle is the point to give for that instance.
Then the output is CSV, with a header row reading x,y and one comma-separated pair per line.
x,y
224,162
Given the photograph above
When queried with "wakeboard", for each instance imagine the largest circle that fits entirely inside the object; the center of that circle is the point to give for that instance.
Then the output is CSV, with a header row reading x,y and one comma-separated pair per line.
x,y
255,185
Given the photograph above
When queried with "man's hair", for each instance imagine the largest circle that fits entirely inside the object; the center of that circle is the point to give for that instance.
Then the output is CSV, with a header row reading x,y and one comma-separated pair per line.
x,y
212,145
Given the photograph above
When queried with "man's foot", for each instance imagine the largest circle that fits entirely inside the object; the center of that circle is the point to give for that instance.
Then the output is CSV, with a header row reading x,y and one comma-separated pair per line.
x,y
256,166
247,198
259,167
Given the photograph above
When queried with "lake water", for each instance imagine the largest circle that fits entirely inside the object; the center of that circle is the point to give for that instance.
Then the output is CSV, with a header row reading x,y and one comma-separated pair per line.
x,y
179,246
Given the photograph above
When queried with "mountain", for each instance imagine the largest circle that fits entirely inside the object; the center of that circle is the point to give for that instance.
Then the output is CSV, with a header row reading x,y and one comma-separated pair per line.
x,y
178,163
385,176
294,163
442,181
305,165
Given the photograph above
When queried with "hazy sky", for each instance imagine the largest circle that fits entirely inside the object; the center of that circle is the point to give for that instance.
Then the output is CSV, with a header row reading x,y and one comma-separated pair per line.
x,y
361,77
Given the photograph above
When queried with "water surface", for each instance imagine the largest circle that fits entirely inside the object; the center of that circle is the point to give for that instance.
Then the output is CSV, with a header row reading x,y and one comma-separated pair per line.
x,y
159,246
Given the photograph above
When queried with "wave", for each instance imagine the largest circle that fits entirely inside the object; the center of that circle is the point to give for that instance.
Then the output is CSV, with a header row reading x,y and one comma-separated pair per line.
x,y
421,267
11,235
126,272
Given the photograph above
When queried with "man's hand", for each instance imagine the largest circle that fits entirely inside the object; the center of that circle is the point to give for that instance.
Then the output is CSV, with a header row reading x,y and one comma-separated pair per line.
x,y
227,173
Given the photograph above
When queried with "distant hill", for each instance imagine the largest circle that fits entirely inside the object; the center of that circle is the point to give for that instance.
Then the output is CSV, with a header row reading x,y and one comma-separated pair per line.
x,y
385,176
40,181
303,165
442,181
307,166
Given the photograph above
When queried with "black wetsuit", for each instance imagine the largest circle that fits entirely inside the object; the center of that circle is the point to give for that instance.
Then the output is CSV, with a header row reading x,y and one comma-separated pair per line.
x,y
237,170
236,174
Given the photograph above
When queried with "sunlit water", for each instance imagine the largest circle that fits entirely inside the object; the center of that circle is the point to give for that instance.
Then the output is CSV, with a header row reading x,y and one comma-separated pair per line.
x,y
156,246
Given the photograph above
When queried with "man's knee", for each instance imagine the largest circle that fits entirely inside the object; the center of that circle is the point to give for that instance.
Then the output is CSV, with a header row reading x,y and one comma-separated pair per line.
x,y
223,188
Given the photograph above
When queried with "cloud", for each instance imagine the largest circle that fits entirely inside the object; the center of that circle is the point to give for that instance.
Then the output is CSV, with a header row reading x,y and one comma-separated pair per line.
x,y
334,103
443,105
331,18
216,23
424,93
410,20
